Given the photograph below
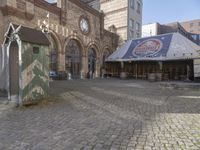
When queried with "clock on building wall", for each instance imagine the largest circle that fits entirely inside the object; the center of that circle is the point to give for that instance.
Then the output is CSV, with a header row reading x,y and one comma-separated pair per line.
x,y
84,25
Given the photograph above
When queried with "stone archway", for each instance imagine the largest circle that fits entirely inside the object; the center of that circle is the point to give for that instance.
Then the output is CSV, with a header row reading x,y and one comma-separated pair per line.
x,y
92,57
93,60
55,50
73,58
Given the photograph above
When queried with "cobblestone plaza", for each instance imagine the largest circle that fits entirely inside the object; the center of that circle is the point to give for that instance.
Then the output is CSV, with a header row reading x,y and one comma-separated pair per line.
x,y
106,114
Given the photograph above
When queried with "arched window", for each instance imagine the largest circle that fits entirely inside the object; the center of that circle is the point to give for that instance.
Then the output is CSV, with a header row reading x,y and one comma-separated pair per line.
x,y
91,60
53,54
73,58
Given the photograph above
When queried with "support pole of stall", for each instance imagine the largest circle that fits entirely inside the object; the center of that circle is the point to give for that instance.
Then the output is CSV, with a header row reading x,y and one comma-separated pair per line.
x,y
136,69
159,74
122,66
188,73
122,73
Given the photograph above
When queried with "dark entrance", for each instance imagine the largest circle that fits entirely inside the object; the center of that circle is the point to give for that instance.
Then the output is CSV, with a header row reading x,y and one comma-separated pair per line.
x,y
14,70
53,55
73,59
91,62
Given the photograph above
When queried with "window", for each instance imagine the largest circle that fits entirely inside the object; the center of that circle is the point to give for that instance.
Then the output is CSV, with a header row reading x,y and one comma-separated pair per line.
x,y
138,8
36,50
131,24
194,37
138,35
191,24
199,23
132,3
137,27
131,34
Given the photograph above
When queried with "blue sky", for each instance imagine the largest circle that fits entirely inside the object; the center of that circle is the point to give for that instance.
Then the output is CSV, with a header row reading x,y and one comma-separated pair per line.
x,y
167,11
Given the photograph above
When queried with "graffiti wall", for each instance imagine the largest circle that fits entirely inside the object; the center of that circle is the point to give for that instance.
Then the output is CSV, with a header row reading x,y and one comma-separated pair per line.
x,y
34,72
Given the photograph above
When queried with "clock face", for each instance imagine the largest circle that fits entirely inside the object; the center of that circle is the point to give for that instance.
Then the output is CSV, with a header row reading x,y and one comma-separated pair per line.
x,y
84,25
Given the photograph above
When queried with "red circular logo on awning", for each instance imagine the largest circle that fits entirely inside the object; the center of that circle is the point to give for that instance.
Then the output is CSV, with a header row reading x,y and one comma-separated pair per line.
x,y
148,48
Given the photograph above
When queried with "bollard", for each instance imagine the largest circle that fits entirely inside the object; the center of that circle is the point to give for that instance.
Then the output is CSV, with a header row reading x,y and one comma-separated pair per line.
x,y
69,77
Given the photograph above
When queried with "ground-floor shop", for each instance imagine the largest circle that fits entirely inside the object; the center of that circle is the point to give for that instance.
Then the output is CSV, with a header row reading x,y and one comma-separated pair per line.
x,y
166,70
164,57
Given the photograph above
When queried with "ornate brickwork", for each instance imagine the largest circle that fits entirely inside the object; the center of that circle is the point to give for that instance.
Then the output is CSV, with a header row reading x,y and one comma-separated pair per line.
x,y
64,26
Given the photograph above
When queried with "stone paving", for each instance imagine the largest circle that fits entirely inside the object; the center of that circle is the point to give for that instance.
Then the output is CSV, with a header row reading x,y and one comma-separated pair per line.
x,y
105,114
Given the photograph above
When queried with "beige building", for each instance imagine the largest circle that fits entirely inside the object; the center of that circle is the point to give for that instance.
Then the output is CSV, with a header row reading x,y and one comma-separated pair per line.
x,y
121,16
79,42
125,15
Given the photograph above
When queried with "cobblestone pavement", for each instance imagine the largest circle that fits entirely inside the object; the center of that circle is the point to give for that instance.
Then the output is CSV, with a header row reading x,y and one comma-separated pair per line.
x,y
105,114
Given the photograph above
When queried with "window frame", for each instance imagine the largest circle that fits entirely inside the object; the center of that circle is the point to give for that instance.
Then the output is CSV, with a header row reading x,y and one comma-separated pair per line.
x,y
138,7
132,4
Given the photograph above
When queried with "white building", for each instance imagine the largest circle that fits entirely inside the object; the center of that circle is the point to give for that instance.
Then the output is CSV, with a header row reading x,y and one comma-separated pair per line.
x,y
151,29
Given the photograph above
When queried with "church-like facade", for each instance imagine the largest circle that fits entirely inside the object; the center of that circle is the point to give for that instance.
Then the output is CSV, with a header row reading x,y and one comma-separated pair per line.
x,y
79,42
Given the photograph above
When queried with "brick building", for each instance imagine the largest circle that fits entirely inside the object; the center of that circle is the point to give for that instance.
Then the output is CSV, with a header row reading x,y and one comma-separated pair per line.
x,y
192,26
157,29
79,42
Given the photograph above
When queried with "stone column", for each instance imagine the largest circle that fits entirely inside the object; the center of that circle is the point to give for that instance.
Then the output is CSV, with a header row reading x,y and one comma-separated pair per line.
x,y
61,62
98,66
84,66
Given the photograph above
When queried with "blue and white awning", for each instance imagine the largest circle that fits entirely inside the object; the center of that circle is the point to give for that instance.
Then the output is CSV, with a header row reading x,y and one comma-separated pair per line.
x,y
172,46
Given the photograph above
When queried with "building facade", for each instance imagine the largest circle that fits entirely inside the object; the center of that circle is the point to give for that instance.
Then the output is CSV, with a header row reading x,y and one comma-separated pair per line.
x,y
93,3
157,29
79,42
121,16
151,29
125,15
192,26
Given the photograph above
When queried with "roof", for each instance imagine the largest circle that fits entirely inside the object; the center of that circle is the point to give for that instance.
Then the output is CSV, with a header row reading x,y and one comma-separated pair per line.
x,y
171,46
28,35
32,36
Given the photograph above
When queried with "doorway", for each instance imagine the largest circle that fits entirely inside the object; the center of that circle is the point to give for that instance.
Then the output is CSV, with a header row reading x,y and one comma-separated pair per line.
x,y
91,62
14,71
73,59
